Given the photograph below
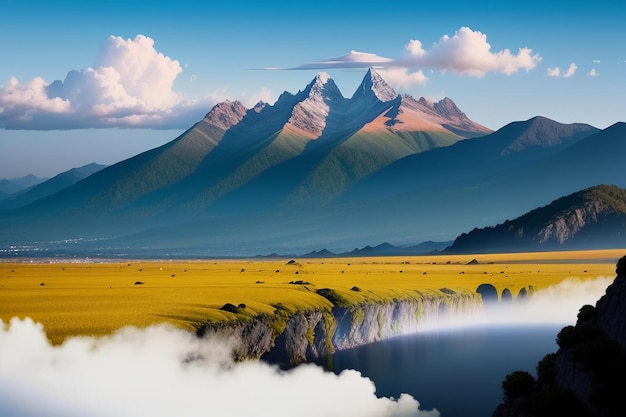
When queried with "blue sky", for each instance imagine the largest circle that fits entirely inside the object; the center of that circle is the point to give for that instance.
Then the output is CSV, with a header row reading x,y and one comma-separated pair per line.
x,y
82,82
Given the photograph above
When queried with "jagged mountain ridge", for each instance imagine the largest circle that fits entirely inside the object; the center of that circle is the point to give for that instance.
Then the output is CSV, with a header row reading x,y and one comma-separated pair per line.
x,y
233,146
593,217
340,129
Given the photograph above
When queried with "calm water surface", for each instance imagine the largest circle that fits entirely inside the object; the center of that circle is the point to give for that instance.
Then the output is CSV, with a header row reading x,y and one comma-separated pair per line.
x,y
458,372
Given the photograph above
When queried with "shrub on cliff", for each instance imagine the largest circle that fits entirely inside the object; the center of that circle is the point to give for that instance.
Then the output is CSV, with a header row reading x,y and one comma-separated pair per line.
x,y
518,384
586,315
570,336
546,371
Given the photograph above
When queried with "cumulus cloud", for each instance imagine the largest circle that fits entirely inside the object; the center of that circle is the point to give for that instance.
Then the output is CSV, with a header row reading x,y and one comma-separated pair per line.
x,y
593,73
162,371
553,72
400,77
570,71
467,52
129,85
556,71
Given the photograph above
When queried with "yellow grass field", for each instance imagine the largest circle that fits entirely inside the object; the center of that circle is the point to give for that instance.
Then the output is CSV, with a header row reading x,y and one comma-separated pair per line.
x,y
72,299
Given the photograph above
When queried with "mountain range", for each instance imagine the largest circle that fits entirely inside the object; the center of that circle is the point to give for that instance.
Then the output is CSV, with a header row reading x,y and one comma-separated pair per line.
x,y
317,169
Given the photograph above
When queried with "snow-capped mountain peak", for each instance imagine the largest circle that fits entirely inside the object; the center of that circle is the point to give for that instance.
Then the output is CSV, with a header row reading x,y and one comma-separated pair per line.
x,y
324,88
374,83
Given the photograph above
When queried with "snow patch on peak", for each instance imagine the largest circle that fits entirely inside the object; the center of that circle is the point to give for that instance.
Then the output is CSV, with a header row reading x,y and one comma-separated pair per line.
x,y
310,114
323,88
374,83
323,77
381,89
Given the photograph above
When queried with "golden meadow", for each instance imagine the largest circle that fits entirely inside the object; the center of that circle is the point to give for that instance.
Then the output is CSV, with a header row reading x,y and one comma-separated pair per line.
x,y
73,299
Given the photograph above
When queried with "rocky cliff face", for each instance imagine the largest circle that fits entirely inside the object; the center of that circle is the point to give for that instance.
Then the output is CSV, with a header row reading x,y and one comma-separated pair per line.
x,y
292,338
611,308
593,217
586,375
567,225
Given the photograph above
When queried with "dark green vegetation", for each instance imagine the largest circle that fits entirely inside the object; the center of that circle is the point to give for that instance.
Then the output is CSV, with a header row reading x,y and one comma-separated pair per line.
x,y
318,170
593,217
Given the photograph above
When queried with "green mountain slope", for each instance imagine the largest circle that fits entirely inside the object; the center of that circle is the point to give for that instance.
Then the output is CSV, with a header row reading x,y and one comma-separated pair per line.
x,y
592,218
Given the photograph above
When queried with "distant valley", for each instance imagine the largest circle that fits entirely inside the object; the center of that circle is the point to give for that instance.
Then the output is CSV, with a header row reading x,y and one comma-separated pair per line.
x,y
317,170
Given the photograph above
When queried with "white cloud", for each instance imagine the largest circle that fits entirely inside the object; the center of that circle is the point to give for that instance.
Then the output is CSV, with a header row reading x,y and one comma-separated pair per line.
x,y
556,71
596,61
399,77
593,73
414,47
570,71
130,85
467,52
265,95
553,72
161,371
353,59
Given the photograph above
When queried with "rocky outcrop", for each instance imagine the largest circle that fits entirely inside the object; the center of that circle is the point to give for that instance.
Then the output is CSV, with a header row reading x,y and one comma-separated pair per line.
x,y
611,308
593,217
289,338
586,374
567,225
226,114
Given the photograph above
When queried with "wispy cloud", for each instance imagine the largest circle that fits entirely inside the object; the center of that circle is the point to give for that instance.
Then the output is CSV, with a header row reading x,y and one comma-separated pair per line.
x,y
596,61
353,59
593,73
129,85
556,71
466,53
162,371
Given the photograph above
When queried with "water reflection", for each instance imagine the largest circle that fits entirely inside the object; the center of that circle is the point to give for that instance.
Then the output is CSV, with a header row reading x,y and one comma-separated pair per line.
x,y
459,372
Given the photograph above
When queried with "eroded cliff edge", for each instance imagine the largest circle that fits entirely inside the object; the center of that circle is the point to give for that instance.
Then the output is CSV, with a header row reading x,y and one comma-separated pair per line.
x,y
288,337
586,377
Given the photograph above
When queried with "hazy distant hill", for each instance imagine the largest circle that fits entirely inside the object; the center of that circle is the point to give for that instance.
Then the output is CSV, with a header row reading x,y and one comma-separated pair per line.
x,y
592,218
49,187
14,185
